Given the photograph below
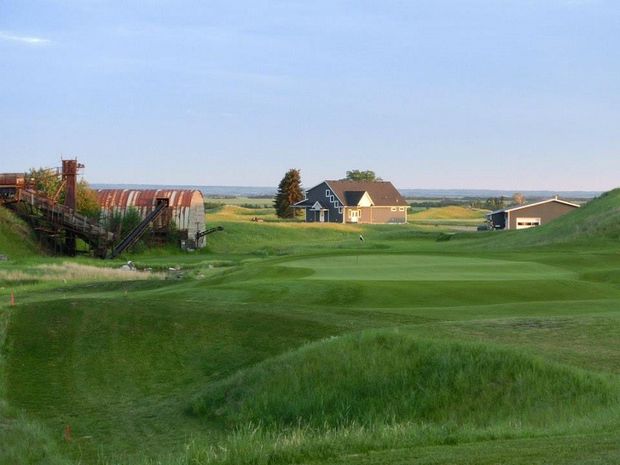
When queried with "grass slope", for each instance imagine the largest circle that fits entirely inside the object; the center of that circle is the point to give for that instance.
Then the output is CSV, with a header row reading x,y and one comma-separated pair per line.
x,y
16,238
384,377
122,361
598,220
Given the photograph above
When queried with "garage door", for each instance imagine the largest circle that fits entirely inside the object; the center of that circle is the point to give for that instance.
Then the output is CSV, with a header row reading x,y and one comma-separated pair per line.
x,y
524,223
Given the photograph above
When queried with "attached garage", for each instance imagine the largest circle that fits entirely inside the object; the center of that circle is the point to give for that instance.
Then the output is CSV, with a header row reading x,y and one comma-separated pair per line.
x,y
530,216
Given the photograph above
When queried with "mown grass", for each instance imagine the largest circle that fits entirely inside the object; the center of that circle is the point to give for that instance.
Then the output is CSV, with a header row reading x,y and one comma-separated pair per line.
x,y
300,350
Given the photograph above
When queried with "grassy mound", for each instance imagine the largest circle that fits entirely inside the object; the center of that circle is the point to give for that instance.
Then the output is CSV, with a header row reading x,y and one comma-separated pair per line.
x,y
597,220
453,212
16,238
385,377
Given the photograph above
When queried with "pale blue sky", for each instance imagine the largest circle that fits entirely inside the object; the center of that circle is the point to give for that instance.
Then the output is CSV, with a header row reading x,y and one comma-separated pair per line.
x,y
508,94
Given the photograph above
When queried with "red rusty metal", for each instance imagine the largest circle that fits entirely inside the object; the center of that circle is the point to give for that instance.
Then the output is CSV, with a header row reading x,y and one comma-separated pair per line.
x,y
182,203
69,178
16,180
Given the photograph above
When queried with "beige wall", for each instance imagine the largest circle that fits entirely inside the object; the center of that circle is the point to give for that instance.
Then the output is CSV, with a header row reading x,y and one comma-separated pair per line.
x,y
377,215
546,212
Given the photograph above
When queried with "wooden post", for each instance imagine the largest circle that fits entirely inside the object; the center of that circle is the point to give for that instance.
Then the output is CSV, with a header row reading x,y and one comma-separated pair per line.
x,y
12,299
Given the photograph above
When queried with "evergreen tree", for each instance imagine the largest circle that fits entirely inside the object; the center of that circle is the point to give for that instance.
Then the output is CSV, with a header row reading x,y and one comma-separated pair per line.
x,y
289,193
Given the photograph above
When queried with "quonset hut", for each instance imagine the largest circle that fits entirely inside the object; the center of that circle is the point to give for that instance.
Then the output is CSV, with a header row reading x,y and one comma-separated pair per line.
x,y
185,207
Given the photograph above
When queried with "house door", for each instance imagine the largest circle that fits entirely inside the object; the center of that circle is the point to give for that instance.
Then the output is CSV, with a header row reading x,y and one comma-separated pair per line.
x,y
322,216
354,216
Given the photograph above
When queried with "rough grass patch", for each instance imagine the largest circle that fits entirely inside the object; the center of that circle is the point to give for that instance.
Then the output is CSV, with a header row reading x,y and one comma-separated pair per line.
x,y
386,377
68,271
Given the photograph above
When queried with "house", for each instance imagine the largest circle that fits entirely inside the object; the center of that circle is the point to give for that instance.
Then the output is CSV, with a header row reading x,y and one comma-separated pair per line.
x,y
530,216
367,202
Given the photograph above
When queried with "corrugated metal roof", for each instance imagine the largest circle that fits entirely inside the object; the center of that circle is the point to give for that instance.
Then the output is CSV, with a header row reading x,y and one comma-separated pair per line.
x,y
122,198
186,206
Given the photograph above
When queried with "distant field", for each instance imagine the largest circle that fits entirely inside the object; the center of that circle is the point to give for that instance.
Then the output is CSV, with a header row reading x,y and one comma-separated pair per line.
x,y
456,217
251,202
449,213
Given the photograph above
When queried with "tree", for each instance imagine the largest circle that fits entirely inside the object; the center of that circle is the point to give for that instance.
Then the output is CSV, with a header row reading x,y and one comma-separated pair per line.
x,y
289,193
357,175
518,198
87,203
48,182
495,203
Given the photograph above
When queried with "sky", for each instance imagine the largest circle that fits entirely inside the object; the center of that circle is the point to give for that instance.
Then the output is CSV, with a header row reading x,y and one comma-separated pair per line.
x,y
498,94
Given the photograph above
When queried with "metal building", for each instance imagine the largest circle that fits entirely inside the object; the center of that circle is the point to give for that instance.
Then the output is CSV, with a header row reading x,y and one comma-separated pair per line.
x,y
530,215
185,207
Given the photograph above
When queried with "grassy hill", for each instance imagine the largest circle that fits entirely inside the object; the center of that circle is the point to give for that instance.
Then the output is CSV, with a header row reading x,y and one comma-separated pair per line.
x,y
16,237
311,346
598,220
387,377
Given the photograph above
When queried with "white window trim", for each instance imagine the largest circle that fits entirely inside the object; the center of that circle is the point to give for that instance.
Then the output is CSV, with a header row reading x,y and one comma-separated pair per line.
x,y
527,222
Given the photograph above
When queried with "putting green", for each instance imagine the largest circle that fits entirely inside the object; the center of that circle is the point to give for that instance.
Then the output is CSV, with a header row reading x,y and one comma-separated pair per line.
x,y
425,268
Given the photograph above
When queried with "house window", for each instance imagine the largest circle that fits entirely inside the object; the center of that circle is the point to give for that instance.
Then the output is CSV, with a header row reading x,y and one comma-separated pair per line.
x,y
331,198
327,193
393,209
340,210
524,223
401,209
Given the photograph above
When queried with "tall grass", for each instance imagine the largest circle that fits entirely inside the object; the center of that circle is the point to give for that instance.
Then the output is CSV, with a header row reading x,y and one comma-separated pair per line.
x,y
73,272
378,377
380,390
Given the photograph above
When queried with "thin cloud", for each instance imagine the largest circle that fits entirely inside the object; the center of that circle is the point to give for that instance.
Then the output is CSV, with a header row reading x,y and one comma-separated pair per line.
x,y
29,40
